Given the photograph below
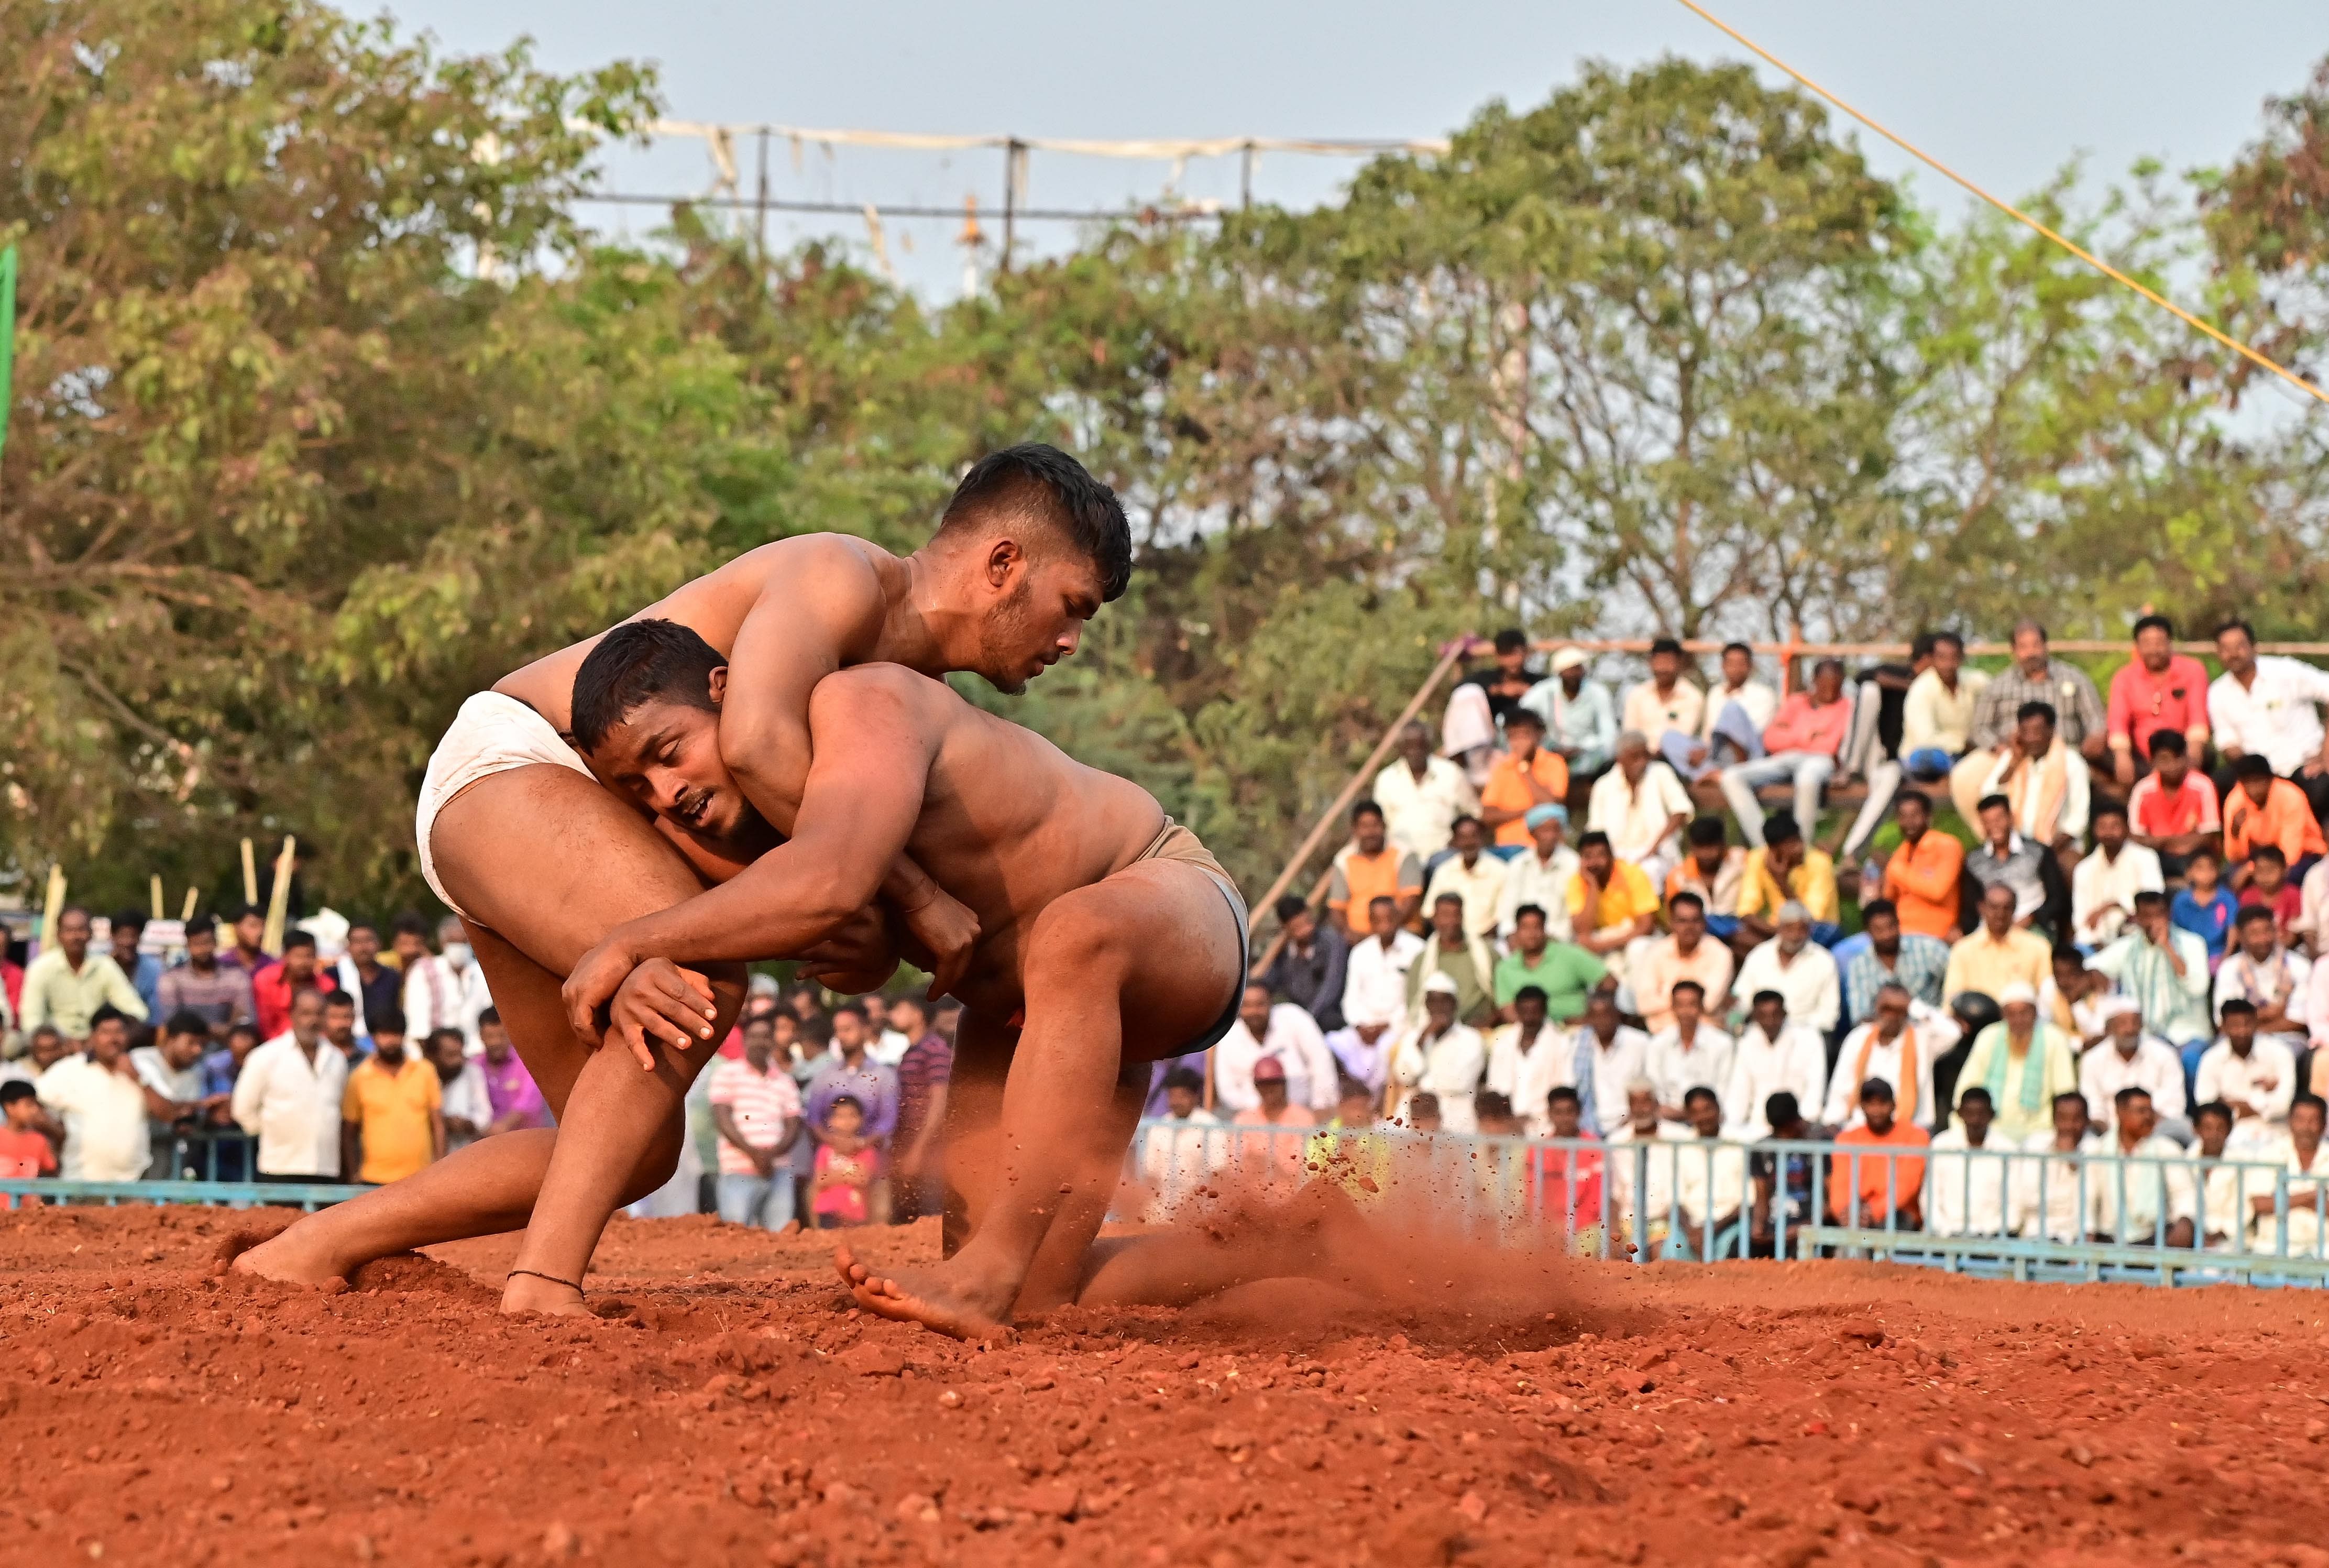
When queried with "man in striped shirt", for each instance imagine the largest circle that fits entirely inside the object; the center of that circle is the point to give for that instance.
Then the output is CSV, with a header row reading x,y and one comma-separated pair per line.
x,y
757,1108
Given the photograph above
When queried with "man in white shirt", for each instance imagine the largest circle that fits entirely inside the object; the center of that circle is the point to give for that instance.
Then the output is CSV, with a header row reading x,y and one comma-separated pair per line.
x,y
1643,808
1421,795
2253,1073
2127,1205
2268,706
2103,887
1773,1054
1643,1218
1889,1046
1529,1058
1441,1057
445,991
1688,1053
1737,711
1666,702
2048,1201
2275,980
1284,1033
1965,1190
1937,713
1472,874
104,1107
2297,1151
1709,1178
1611,1055
2129,1059
1540,874
1375,995
1183,1149
287,1097
1801,971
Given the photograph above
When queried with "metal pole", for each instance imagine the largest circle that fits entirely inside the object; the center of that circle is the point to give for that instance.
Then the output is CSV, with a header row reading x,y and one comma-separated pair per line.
x,y
7,338
1245,180
762,214
1011,150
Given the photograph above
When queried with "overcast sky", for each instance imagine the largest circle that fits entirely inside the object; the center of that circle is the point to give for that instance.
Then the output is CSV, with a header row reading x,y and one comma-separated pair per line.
x,y
2006,92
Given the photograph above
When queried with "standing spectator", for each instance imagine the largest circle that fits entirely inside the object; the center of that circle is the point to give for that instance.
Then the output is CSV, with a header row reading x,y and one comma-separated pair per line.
x,y
468,1108
1890,1047
1734,715
1180,1154
223,1066
1375,996
2204,906
2166,970
1441,1057
1937,717
1800,744
2173,810
2251,1072
2025,1065
275,986
377,987
435,988
2259,810
1784,869
1563,971
220,992
172,1074
2268,707
1803,975
1273,1031
1611,903
1683,955
890,1043
1312,965
1461,959
1643,808
1508,680
2130,1058
1891,1185
340,1025
1774,1055
2158,689
1525,778
1370,866
2102,888
2033,676
2023,866
2042,781
67,984
516,1101
1566,1182
2270,978
1918,963
103,1107
868,1086
26,1152
848,1165
1540,874
924,1074
1688,1052
1999,952
1580,722
1422,796
288,1097
757,1108
1269,1146
1611,1057
1473,875
1964,1192
1665,706
392,1111
144,971
1924,879
250,929
1715,870
1529,1058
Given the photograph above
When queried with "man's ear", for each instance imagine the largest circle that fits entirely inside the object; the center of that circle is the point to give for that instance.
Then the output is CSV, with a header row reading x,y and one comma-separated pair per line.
x,y
719,686
1002,556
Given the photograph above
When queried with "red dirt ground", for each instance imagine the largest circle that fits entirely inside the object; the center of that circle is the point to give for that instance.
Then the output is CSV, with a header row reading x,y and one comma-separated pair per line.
x,y
733,1410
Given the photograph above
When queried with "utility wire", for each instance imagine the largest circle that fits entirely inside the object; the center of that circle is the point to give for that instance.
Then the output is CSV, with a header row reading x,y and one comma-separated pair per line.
x,y
748,203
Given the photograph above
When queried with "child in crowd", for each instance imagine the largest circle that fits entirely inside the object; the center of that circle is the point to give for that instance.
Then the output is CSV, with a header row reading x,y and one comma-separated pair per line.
x,y
25,1151
2269,885
846,1166
2206,907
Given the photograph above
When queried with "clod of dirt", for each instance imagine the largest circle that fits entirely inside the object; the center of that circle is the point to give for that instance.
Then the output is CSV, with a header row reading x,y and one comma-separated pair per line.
x,y
869,1358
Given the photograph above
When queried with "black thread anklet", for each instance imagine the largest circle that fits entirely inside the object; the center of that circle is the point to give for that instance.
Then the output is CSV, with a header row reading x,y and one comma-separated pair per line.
x,y
537,1274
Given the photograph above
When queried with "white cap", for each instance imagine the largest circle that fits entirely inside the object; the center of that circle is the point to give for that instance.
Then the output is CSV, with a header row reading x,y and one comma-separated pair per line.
x,y
1443,983
1568,658
2020,991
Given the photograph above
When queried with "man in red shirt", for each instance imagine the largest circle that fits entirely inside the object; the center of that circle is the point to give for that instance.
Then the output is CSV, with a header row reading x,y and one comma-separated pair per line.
x,y
25,1151
2158,690
273,987
1800,743
2173,812
1858,1196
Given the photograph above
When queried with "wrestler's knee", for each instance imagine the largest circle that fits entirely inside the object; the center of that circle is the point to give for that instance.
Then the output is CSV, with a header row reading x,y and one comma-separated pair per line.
x,y
1073,937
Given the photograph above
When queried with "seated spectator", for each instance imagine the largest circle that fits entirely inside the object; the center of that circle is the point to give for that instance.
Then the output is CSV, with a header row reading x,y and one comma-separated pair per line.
x,y
2077,999
1452,954
2252,1074
1507,681
2298,1151
1529,1057
2204,906
2165,971
1800,744
2149,1200
1540,874
392,1111
1715,870
1937,716
1277,1031
1802,973
1924,878
1422,1115
26,1153
1440,1056
2025,1065
2221,1191
1666,708
1580,723
1519,780
1890,1048
1420,795
2270,978
1642,806
2268,888
2269,707
2102,888
1784,869
1375,995
2004,857
2044,782
1683,954
1272,1132
1735,713
1688,1051
1999,952
1893,956
2260,810
1611,1055
2313,909
1782,1181
1710,1181
2157,690
848,1162
2034,676
1641,1219
1178,1156
1565,972
757,1108
1369,867
1773,1054
2049,1200
220,992
1964,1192
100,1104
1871,746
468,1108
1611,903
2173,809
1885,1190
1471,875
511,1092
1566,1182
2130,1058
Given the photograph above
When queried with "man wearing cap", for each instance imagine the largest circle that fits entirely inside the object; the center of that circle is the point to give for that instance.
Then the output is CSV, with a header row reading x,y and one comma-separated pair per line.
x,y
1269,1140
1801,972
1422,796
1524,778
1440,1056
1540,874
2130,1058
1580,722
2023,1064
1642,806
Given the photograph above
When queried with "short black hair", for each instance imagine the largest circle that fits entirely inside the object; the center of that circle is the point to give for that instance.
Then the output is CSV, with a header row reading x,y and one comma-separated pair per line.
x,y
1038,481
2240,1004
1950,637
2131,1092
2306,1097
1563,1094
1921,645
2144,898
2034,710
1732,647
1783,829
186,1021
1877,906
2272,852
297,939
1686,897
1665,645
1978,1093
2250,913
411,923
1289,905
109,1013
388,1018
1490,1103
1530,994
2216,1108
2171,741
14,1089
131,918
1767,995
1876,1088
858,1007
2149,622
1187,1078
1709,830
2238,625
1529,909
2252,765
1679,987
1699,1091
2107,806
489,1016
637,662
1367,809
1528,716
340,999
1781,1109
1595,839
1512,640
1987,801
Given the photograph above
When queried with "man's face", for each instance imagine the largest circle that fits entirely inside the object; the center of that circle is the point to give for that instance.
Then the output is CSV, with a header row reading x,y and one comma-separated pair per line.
x,y
1528,934
308,1018
2030,653
1632,761
2020,1017
183,1051
494,1039
364,945
2267,874
784,1029
1382,918
1367,828
2151,646
1770,1016
1915,818
109,1041
1688,1007
1597,859
1705,1115
49,1048
2069,1122
340,1024
1948,658
1997,825
759,1043
1883,932
1415,744
1709,858
1512,661
2201,872
2034,735
1468,839
248,929
2236,652
1828,684
1736,667
299,963
2137,1118
1665,668
1036,616
1997,910
2257,789
1447,919
1182,1101
1794,936
1531,1012
2241,1028
1783,854
1878,1109
388,1046
1688,923
1564,1115
907,1017
2214,1131
202,947
1892,1013
1440,1008
1357,1110
666,756
849,1031
1601,1016
2110,831
1301,929
1523,739
877,1012
409,946
445,1055
1253,1010
2258,939
1642,1110
2171,767
2125,1030
125,945
2069,974
72,935
2304,1126
1977,1114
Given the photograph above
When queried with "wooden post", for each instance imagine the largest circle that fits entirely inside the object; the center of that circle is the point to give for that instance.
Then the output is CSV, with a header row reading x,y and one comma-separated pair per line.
x,y
279,900
249,876
1012,149
54,906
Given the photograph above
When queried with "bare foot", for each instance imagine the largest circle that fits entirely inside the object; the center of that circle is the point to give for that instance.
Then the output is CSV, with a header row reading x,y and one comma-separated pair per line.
x,y
279,1256
524,1293
948,1306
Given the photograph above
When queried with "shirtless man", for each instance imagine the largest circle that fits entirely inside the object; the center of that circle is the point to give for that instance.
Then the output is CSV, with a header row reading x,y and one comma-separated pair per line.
x,y
1107,938
542,860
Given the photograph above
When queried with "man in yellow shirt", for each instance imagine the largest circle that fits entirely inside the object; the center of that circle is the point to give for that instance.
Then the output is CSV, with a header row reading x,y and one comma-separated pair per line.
x,y
1786,868
1611,900
1998,954
393,1111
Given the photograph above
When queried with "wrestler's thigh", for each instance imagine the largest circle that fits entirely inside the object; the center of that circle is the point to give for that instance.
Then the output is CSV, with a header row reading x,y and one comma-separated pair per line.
x,y
1161,935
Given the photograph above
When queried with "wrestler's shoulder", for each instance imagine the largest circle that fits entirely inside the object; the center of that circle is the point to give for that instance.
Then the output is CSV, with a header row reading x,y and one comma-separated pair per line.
x,y
829,557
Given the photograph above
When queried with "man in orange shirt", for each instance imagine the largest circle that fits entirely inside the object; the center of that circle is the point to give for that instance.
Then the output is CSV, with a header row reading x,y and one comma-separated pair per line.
x,y
2262,809
1924,875
1371,867
1896,1179
1526,777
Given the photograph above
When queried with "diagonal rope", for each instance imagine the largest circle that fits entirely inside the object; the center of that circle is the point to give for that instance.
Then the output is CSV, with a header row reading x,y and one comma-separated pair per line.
x,y
2081,252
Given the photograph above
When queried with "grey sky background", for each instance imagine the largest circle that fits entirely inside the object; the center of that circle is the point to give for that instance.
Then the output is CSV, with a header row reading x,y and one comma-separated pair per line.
x,y
2008,92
